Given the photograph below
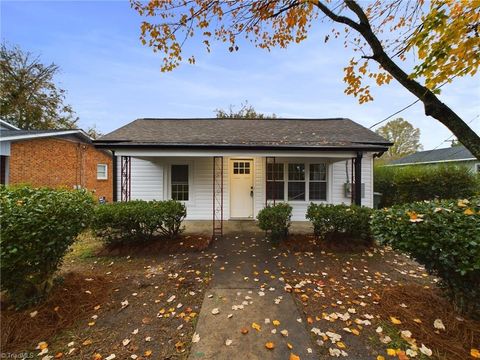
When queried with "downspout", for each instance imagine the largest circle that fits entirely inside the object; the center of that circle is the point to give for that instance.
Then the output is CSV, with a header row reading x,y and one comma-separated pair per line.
x,y
358,179
114,176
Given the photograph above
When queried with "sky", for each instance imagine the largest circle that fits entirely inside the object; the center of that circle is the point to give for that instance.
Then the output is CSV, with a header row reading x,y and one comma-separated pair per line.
x,y
112,79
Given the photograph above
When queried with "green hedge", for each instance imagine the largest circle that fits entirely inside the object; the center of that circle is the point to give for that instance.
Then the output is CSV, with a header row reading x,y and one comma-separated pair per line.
x,y
405,184
340,222
442,235
37,228
138,220
276,220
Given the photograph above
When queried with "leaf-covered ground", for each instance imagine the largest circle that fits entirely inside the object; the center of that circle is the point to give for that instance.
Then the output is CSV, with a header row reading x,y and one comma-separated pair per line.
x,y
367,304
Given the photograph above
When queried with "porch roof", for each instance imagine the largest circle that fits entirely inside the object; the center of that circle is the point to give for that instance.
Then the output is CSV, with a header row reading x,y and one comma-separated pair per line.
x,y
245,134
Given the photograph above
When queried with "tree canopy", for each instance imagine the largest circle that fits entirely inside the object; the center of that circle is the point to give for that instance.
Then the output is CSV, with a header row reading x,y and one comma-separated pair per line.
x,y
29,97
246,111
441,37
405,138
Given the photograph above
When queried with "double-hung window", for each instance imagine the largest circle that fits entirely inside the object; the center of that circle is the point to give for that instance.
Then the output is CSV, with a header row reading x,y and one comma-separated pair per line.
x,y
296,182
317,182
179,182
102,173
275,181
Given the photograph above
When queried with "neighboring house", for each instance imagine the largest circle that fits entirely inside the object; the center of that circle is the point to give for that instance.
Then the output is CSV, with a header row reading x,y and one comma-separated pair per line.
x,y
232,168
456,155
54,158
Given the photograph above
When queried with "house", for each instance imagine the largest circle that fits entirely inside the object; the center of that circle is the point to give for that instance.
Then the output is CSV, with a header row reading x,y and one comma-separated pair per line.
x,y
456,155
231,168
54,158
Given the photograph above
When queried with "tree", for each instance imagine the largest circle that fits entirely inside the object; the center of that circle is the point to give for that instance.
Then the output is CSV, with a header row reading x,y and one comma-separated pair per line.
x,y
405,138
442,37
29,98
246,112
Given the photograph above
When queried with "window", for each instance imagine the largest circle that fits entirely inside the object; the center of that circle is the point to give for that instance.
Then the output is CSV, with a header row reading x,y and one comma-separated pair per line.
x,y
318,182
478,168
102,173
296,182
179,179
275,182
241,167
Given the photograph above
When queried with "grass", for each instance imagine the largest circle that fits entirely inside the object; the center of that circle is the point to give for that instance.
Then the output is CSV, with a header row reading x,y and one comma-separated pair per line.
x,y
86,247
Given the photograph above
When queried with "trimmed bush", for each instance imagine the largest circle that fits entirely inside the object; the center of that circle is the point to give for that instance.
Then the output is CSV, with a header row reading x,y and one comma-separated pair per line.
x,y
405,184
442,235
37,228
340,223
275,220
138,220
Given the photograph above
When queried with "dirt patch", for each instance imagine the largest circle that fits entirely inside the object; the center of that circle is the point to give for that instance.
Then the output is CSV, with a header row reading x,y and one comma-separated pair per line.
x,y
335,242
182,244
71,300
420,308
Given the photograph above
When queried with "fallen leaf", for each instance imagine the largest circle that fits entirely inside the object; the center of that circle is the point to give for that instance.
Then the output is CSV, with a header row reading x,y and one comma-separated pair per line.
x,y
244,330
426,351
438,324
294,357
256,326
276,322
147,353
97,356
270,345
228,342
391,352
125,342
195,338
395,321
475,353
380,357
215,311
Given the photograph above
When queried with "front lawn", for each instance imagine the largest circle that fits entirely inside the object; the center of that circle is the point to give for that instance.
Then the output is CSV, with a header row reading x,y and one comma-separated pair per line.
x,y
130,307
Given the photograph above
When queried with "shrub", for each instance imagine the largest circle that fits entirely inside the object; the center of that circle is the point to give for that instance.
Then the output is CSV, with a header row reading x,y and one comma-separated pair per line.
x,y
405,184
275,220
37,228
340,222
442,235
138,220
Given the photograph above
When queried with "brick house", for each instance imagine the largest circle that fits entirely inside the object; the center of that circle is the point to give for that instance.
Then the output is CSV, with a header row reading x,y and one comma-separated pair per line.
x,y
54,158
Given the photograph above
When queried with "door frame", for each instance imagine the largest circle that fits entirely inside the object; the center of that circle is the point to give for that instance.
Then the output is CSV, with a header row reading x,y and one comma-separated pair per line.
x,y
230,187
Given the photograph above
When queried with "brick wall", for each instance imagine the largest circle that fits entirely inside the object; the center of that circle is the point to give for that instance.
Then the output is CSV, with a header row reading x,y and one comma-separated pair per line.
x,y
56,162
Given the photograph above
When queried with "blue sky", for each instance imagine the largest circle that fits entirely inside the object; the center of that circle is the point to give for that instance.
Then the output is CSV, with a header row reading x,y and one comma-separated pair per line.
x,y
112,79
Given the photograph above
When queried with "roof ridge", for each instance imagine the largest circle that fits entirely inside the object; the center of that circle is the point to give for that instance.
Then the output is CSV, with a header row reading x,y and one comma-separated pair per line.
x,y
214,118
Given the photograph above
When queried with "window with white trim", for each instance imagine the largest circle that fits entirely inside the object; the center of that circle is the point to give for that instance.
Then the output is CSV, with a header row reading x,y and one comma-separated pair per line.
x,y
299,181
179,182
317,187
296,182
102,171
275,181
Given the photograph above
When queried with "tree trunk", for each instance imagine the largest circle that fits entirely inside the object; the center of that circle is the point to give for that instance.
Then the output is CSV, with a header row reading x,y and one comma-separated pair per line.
x,y
433,106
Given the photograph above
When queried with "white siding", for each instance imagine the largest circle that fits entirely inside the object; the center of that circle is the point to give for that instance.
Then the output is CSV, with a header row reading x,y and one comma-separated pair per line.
x,y
146,179
340,176
150,181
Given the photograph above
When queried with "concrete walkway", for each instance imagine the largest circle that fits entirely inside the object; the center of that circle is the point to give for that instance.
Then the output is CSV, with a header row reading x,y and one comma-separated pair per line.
x,y
247,289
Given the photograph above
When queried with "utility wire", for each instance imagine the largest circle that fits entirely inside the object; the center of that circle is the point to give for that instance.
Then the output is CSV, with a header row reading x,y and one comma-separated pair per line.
x,y
436,147
410,105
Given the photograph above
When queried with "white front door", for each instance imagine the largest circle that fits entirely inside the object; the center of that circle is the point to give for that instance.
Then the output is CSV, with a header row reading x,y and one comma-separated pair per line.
x,y
241,188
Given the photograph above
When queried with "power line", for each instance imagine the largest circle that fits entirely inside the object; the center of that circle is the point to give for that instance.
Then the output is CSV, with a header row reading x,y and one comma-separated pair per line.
x,y
453,154
410,105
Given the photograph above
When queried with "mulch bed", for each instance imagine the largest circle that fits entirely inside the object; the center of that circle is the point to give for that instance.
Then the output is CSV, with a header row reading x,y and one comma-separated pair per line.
x,y
337,243
426,304
69,301
182,244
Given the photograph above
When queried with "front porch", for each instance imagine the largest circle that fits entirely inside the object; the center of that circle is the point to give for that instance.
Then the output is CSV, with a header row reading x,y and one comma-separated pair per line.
x,y
236,185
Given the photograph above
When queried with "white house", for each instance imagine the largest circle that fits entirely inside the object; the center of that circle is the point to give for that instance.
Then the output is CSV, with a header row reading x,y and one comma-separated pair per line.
x,y
231,168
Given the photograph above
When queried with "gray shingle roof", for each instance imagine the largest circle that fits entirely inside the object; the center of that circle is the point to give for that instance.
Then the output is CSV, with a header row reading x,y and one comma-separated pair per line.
x,y
437,155
335,133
